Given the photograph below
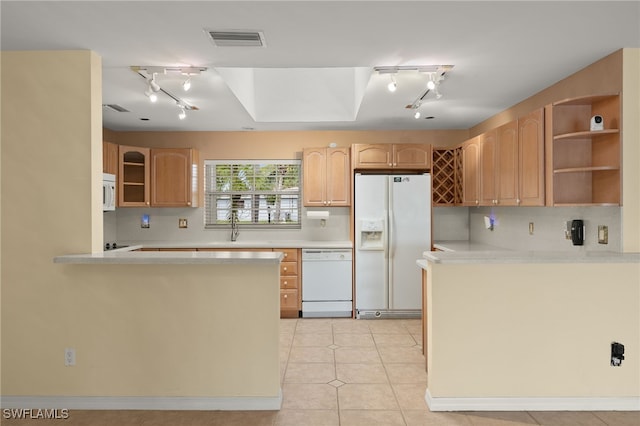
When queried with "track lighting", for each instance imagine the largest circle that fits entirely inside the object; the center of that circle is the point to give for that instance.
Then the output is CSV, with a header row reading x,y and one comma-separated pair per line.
x,y
392,86
436,74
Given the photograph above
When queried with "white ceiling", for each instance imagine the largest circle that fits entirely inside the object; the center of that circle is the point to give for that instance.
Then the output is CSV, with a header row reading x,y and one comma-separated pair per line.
x,y
502,52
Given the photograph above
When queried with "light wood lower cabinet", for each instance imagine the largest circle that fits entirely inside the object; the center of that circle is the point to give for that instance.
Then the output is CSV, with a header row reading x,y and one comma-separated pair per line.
x,y
290,291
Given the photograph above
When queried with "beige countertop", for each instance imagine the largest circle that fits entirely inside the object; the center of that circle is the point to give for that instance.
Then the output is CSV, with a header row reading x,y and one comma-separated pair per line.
x,y
129,256
505,256
304,244
463,245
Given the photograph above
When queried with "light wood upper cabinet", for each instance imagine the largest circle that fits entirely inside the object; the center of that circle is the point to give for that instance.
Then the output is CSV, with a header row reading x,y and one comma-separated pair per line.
x,y
488,168
133,176
392,156
507,164
327,174
511,164
174,177
412,156
377,156
471,172
531,178
109,158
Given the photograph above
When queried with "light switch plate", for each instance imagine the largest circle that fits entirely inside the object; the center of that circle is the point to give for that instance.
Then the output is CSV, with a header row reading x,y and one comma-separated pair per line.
x,y
603,234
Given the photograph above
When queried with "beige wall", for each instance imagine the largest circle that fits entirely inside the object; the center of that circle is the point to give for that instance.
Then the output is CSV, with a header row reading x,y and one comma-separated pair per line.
x,y
137,330
631,151
48,149
532,330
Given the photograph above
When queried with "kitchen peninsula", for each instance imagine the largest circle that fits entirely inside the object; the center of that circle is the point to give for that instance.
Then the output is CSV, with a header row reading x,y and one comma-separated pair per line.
x,y
176,330
514,330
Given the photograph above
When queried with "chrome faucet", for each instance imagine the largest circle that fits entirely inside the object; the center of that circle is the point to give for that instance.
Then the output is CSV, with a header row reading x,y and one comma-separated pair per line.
x,y
234,226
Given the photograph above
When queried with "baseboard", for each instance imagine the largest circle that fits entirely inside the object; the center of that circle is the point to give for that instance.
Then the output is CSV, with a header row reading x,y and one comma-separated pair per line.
x,y
533,404
143,403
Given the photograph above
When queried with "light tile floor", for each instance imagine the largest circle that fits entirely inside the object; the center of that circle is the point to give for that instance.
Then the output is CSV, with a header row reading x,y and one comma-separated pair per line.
x,y
344,372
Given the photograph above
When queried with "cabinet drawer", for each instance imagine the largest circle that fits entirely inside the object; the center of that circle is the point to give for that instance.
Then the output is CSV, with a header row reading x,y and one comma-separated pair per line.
x,y
290,255
288,299
288,268
289,283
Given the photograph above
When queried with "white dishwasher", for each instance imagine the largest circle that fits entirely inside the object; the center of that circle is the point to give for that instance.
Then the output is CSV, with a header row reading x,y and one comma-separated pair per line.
x,y
326,283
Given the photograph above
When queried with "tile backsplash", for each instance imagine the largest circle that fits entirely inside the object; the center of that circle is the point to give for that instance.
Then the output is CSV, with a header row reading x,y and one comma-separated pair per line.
x,y
511,228
164,227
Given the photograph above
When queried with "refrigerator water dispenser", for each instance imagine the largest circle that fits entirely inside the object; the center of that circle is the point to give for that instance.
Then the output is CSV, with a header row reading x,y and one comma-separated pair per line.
x,y
371,234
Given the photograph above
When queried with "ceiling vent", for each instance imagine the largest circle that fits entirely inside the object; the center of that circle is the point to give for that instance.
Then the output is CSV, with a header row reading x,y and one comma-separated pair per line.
x,y
237,38
115,107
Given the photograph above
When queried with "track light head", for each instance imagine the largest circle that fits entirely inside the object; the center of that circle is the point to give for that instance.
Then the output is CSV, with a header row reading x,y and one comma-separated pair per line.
x,y
152,83
416,115
183,113
187,84
151,94
392,86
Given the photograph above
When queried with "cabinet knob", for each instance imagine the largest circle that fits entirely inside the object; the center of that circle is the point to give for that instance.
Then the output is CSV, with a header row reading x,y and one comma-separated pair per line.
x,y
147,203
518,201
284,269
188,203
286,254
477,202
285,283
285,296
329,202
390,164
395,164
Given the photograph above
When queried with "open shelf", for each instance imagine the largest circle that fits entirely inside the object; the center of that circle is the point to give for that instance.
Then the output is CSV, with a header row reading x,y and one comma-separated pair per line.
x,y
585,164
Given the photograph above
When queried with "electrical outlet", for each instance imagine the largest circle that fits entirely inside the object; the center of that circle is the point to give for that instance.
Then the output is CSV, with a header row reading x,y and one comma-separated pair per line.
x,y
69,357
603,234
182,223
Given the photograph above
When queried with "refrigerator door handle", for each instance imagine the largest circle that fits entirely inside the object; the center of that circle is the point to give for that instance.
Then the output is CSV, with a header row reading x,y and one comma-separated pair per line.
x,y
390,244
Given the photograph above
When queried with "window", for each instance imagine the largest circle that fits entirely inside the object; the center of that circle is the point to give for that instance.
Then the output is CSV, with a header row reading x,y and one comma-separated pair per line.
x,y
258,193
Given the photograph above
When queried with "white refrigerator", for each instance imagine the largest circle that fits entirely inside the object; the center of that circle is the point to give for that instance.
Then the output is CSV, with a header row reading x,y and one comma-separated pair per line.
x,y
393,228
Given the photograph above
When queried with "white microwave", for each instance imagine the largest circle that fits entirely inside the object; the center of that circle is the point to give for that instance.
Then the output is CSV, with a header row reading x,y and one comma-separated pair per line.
x,y
108,192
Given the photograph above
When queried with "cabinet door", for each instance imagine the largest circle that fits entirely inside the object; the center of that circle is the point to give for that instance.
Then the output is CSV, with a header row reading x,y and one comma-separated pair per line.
x,y
171,177
470,172
133,176
109,158
315,176
507,156
411,156
372,156
488,169
531,159
338,177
